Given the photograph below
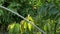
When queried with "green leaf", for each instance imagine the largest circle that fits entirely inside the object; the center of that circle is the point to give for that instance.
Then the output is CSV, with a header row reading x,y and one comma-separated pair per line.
x,y
1,12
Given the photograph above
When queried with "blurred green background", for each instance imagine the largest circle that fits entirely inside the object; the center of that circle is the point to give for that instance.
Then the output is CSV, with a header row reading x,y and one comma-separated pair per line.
x,y
43,13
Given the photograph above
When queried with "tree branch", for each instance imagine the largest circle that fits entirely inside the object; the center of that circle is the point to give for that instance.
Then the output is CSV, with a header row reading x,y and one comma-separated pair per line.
x,y
23,18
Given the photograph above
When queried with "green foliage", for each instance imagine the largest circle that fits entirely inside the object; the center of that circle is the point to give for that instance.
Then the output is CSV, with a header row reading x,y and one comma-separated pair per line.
x,y
1,12
25,26
14,28
44,13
